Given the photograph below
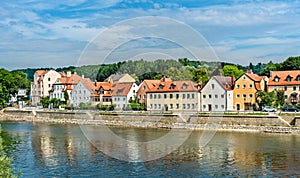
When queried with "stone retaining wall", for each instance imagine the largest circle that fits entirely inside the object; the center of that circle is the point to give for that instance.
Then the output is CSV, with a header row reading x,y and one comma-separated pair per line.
x,y
156,118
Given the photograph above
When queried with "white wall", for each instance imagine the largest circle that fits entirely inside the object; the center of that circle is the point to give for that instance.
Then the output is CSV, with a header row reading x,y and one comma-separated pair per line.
x,y
80,94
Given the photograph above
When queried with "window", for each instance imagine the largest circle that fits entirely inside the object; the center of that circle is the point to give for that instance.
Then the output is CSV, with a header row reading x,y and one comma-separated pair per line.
x,y
187,96
222,96
222,106
155,106
144,87
250,85
193,106
285,88
209,96
177,96
165,96
216,106
158,96
289,78
204,107
177,106
237,86
294,88
204,96
172,87
244,95
184,86
49,85
154,96
285,96
171,106
124,99
275,88
212,86
188,106
160,87
244,86
216,96
150,106
193,96
49,79
183,106
244,77
159,106
237,95
171,96
150,96
183,96
250,95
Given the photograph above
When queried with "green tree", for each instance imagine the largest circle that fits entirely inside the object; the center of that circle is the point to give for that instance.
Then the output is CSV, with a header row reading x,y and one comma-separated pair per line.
x,y
66,97
45,102
280,98
5,163
230,70
56,102
200,75
266,98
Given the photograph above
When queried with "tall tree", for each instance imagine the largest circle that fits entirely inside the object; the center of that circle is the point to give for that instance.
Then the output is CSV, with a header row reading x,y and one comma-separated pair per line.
x,y
230,70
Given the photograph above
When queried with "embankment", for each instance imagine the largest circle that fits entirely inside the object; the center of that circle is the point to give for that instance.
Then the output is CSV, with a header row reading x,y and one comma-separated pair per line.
x,y
261,123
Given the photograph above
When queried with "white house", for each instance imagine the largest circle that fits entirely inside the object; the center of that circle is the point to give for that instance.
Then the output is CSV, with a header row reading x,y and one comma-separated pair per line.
x,y
83,92
42,84
65,83
122,93
217,94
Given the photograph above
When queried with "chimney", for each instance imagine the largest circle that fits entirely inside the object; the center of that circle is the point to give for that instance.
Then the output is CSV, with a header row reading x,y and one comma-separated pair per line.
x,y
75,73
82,76
232,80
68,73
249,71
95,83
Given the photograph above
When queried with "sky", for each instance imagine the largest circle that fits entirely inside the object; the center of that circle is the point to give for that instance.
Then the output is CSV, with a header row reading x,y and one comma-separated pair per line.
x,y
40,33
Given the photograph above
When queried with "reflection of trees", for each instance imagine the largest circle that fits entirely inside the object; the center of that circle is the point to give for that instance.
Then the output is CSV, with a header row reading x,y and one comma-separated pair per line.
x,y
9,141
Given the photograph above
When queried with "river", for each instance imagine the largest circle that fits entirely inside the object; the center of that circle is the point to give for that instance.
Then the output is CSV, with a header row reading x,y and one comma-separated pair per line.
x,y
53,150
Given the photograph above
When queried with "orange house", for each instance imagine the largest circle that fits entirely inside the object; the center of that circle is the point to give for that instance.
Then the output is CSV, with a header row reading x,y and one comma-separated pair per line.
x,y
245,88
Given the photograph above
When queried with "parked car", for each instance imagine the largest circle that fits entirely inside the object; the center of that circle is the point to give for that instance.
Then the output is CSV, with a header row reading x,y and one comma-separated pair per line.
x,y
269,109
290,109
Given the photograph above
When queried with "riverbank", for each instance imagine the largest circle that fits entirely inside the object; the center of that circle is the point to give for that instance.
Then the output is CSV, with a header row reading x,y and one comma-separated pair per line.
x,y
239,123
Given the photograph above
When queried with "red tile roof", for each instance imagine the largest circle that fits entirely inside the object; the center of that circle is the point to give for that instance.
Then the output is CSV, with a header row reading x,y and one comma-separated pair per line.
x,y
173,86
149,84
282,78
226,82
121,89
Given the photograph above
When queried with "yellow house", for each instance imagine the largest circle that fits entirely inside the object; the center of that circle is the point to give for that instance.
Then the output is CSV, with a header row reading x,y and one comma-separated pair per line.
x,y
245,88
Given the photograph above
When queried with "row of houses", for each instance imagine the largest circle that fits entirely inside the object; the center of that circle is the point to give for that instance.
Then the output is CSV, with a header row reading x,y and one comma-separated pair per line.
x,y
219,94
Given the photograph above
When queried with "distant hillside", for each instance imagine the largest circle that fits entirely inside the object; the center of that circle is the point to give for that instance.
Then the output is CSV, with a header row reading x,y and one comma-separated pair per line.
x,y
142,69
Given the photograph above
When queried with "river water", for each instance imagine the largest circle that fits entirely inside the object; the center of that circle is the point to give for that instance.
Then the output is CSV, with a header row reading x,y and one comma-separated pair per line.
x,y
52,150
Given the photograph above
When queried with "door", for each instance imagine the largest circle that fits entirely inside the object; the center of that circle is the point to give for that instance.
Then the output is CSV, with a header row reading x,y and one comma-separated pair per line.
x,y
209,107
238,107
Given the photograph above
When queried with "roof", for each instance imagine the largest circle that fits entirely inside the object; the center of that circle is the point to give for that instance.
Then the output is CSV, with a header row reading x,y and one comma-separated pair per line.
x,y
255,77
121,89
105,85
88,84
41,72
114,77
173,86
225,82
72,80
282,77
149,84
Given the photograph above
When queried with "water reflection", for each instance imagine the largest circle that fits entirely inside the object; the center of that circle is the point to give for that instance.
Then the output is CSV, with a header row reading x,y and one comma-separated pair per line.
x,y
49,150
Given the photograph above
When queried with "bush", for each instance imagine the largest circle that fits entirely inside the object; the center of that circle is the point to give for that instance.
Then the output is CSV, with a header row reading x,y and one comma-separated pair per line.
x,y
5,164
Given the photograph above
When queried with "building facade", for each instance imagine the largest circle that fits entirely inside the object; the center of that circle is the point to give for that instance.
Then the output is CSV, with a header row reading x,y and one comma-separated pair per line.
x,y
174,96
245,88
65,83
123,93
145,86
42,84
217,94
83,92
287,81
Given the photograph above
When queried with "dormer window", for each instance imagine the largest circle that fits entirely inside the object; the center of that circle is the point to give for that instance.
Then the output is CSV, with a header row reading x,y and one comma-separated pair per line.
x,y
184,86
276,79
288,78
172,86
144,87
298,78
161,86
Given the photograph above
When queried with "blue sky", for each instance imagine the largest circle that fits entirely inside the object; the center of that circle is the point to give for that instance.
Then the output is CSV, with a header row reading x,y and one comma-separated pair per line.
x,y
40,33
